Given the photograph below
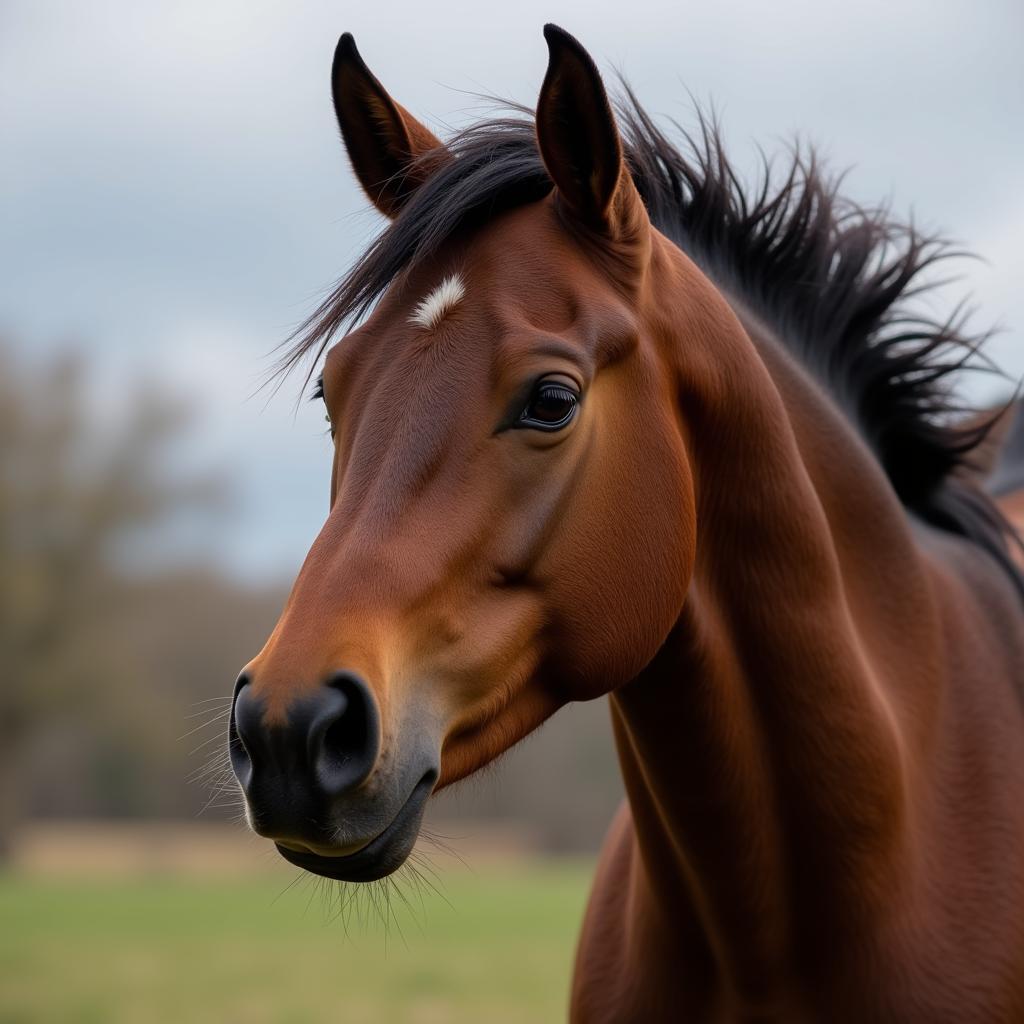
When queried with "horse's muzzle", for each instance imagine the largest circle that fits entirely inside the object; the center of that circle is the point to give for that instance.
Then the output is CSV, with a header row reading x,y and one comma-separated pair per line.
x,y
382,855
310,785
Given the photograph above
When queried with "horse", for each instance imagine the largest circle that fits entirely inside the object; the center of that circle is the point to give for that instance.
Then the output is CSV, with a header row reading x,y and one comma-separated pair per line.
x,y
608,423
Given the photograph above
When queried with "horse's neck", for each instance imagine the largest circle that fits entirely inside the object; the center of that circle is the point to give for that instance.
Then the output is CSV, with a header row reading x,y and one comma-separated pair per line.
x,y
762,749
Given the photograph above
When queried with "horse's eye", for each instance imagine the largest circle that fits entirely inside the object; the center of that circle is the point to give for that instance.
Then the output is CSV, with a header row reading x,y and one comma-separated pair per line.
x,y
551,407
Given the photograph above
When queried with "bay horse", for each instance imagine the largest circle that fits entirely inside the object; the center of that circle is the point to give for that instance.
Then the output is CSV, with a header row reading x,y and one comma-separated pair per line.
x,y
606,423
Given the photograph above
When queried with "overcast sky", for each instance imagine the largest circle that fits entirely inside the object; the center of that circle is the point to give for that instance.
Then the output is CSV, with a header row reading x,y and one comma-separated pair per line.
x,y
174,197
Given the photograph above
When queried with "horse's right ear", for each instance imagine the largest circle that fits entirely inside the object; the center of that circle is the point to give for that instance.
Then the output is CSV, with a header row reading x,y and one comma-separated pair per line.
x,y
388,147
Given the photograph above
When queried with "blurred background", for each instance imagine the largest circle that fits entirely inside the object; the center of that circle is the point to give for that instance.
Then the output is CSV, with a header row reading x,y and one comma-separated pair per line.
x,y
173,201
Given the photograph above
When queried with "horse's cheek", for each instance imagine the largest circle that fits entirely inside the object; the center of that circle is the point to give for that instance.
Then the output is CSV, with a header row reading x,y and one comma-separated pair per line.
x,y
626,564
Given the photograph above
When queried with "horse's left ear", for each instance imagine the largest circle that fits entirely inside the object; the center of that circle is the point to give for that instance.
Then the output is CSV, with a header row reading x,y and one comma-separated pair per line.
x,y
579,140
389,149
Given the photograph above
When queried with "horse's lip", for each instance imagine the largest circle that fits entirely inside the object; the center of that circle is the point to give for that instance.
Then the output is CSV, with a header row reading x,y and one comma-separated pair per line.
x,y
373,860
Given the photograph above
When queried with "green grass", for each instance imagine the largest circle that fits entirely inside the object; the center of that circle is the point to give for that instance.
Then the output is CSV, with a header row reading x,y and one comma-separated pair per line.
x,y
161,950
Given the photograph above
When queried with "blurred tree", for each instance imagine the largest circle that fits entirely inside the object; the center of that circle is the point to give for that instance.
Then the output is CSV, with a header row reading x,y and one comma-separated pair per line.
x,y
74,491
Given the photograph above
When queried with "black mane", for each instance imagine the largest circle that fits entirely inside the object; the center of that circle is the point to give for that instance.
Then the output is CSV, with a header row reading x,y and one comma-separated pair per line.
x,y
832,277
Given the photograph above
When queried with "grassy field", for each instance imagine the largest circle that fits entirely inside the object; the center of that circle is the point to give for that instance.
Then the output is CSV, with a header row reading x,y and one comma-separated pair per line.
x,y
496,946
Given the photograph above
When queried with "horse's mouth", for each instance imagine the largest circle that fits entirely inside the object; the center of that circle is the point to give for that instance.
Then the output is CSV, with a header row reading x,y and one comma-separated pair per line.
x,y
379,857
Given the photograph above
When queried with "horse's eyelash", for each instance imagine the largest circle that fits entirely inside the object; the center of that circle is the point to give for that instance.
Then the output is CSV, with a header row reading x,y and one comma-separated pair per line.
x,y
318,390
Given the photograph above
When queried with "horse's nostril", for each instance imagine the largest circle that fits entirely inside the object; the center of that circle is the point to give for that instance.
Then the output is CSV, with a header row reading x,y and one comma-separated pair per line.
x,y
241,761
325,747
346,744
341,737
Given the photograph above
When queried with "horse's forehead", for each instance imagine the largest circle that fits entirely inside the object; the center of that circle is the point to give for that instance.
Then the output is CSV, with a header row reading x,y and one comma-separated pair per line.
x,y
519,242
518,274
525,270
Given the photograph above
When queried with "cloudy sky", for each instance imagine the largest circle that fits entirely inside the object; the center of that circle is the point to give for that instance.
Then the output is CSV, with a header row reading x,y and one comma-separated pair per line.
x,y
174,198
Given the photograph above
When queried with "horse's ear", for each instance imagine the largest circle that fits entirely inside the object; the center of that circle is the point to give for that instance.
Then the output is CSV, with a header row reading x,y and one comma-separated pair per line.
x,y
388,147
578,137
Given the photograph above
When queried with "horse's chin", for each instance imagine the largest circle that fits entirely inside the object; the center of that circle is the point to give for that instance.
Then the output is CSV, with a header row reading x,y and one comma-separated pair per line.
x,y
380,857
